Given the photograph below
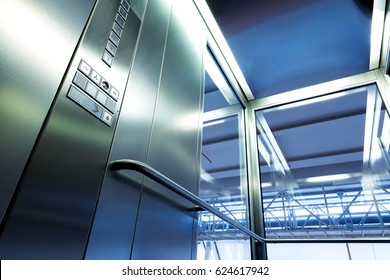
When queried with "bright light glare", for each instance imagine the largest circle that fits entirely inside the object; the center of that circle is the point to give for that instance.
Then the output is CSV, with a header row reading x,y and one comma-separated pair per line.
x,y
219,79
213,123
206,176
327,178
31,28
312,101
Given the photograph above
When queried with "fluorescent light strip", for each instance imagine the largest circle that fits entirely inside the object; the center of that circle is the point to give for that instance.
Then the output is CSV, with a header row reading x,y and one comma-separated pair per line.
x,y
328,178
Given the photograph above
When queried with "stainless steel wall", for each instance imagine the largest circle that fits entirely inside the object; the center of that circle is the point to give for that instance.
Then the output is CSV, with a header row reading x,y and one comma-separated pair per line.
x,y
33,34
174,147
51,212
160,125
59,198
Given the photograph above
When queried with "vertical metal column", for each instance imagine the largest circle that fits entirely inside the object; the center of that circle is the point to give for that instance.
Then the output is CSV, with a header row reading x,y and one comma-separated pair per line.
x,y
259,250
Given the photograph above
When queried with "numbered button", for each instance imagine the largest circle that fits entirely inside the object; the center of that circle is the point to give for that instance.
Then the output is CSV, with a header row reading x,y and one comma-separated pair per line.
x,y
122,12
117,29
107,58
126,5
120,20
111,48
114,38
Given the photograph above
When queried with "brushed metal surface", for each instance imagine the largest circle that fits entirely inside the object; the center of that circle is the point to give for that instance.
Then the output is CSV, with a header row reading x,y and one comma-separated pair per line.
x,y
53,210
139,7
37,40
174,146
136,218
114,224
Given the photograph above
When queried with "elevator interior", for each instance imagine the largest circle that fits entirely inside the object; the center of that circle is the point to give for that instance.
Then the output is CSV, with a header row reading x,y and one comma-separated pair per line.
x,y
127,83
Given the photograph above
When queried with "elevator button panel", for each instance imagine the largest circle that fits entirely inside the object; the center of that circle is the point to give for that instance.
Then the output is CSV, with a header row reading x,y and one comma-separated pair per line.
x,y
94,93
116,33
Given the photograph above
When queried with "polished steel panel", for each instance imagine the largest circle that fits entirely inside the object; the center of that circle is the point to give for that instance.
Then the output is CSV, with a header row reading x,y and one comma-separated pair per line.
x,y
174,147
114,224
53,210
37,40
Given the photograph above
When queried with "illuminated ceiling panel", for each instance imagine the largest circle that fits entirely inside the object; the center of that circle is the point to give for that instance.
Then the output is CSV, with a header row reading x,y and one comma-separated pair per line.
x,y
289,44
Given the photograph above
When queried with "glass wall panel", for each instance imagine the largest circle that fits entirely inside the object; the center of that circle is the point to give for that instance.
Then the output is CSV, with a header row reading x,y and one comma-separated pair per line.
x,y
324,165
223,185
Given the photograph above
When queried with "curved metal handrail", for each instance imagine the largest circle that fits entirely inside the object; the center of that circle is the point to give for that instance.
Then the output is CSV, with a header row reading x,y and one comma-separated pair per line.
x,y
173,186
143,168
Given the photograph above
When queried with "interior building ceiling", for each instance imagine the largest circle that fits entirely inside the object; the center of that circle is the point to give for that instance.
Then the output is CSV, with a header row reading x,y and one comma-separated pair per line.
x,y
289,44
282,46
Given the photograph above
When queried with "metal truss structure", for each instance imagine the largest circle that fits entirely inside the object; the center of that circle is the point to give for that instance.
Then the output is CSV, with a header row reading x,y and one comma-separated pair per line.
x,y
355,213
347,214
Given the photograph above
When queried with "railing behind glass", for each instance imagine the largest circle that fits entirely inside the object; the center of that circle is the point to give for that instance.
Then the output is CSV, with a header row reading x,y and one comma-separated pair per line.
x,y
150,172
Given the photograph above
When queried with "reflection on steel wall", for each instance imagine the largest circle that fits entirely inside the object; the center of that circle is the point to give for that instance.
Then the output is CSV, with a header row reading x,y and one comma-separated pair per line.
x,y
33,34
72,104
160,125
51,212
174,147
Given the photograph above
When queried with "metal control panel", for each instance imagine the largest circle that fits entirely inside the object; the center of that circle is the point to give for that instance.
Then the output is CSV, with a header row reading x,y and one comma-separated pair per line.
x,y
94,93
116,33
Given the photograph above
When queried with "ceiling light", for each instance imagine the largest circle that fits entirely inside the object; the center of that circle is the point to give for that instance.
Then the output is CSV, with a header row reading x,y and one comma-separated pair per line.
x,y
328,178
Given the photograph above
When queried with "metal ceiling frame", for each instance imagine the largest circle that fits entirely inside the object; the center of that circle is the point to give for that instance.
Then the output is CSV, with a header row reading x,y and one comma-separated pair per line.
x,y
377,35
223,53
379,41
